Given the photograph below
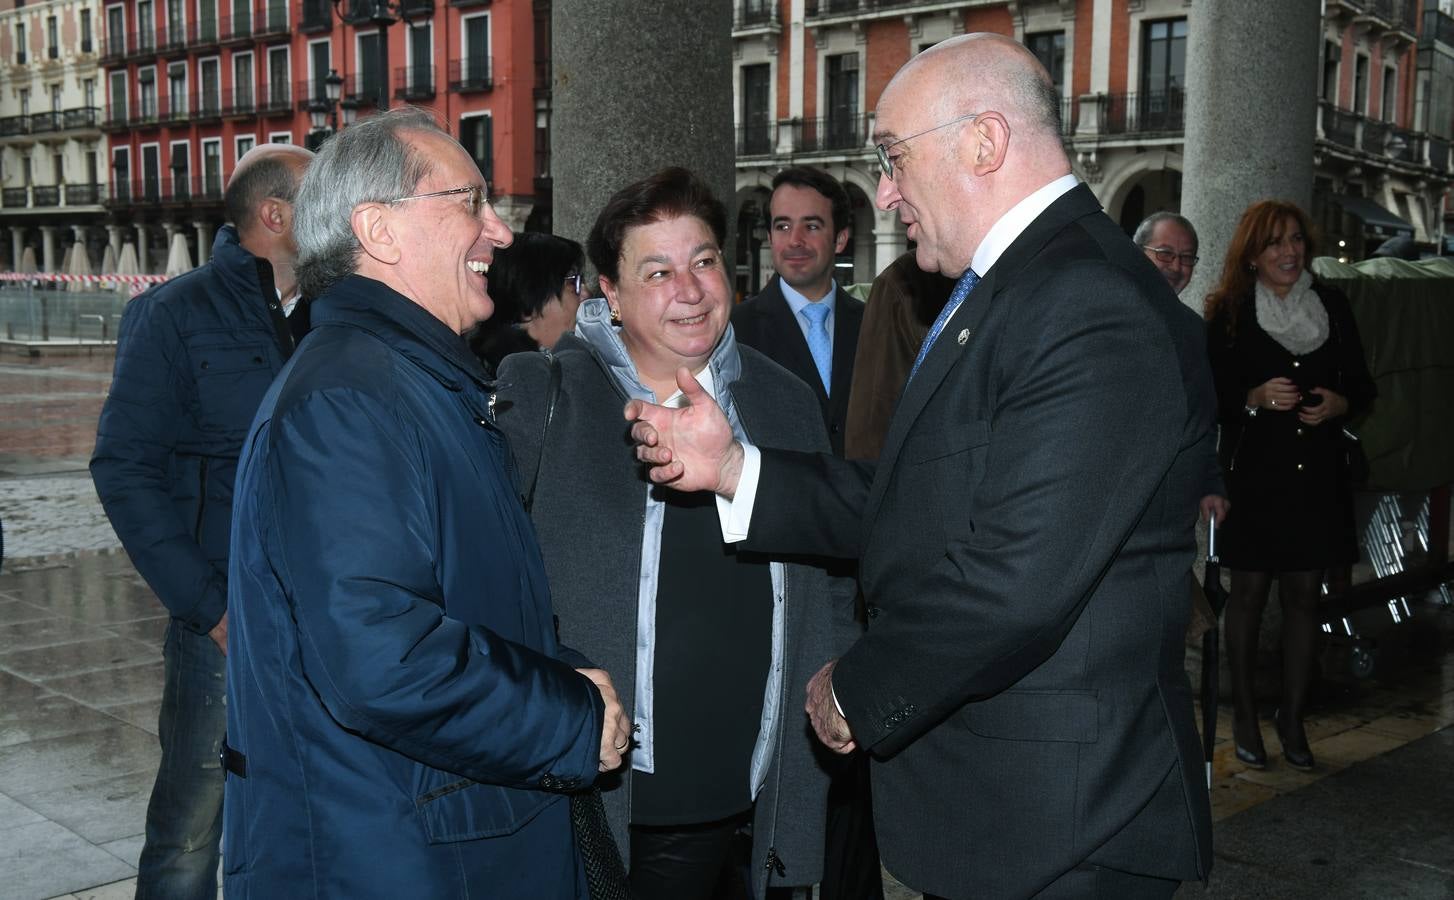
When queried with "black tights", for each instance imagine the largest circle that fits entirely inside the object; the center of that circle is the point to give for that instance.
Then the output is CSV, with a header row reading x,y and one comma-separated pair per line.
x,y
1298,592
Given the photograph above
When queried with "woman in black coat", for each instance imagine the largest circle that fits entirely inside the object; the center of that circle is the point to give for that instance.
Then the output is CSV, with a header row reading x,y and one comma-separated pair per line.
x,y
1289,371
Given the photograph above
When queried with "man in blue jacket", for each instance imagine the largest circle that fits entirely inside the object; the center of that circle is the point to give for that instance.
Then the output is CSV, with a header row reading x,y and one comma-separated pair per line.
x,y
399,721
193,359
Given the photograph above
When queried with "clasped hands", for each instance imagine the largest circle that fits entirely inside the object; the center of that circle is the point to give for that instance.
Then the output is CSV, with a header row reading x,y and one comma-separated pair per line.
x,y
615,726
1281,394
692,448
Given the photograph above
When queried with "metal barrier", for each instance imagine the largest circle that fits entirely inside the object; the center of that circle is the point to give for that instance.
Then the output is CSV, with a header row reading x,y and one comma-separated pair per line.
x,y
30,313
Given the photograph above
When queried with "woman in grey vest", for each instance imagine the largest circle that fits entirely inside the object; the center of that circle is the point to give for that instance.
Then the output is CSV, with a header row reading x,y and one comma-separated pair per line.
x,y
711,649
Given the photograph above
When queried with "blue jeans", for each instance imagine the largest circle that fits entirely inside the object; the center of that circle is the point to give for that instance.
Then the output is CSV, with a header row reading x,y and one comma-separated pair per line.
x,y
184,817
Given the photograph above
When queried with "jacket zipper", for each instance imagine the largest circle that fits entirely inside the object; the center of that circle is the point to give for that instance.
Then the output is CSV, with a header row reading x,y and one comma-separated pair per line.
x,y
201,502
774,863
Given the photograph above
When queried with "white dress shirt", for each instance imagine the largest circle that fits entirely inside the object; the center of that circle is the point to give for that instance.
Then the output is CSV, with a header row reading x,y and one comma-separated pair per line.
x,y
797,303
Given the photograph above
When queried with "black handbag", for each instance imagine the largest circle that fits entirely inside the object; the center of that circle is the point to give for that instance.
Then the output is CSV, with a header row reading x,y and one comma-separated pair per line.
x,y
1351,457
600,857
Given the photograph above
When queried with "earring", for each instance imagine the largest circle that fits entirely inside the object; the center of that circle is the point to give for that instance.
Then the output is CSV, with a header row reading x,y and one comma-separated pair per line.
x,y
615,316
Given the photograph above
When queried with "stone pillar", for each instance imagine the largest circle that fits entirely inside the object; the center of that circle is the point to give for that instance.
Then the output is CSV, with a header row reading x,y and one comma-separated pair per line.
x,y
664,98
48,248
204,242
889,239
113,236
143,238
1244,141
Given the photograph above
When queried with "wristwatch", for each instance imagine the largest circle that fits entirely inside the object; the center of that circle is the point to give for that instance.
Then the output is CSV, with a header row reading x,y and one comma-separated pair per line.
x,y
1251,410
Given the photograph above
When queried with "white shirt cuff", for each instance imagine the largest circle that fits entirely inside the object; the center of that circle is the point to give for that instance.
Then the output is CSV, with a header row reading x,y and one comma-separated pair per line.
x,y
735,515
836,704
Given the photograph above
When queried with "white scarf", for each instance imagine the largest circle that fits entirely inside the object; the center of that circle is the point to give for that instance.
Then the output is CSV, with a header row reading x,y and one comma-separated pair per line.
x,y
1299,321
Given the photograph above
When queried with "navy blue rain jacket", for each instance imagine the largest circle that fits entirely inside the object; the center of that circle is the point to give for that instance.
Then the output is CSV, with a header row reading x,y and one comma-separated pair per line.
x,y
392,681
194,357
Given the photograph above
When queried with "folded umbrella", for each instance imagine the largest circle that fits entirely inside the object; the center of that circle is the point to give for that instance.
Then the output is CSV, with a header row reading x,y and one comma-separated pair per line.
x,y
1211,680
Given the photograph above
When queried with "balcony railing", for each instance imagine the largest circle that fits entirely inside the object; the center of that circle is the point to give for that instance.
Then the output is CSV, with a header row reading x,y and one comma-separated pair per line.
x,y
176,109
45,122
15,198
1438,154
756,14
116,119
1069,115
237,28
845,7
141,44
473,74
277,100
1339,125
242,102
414,83
756,138
315,17
81,117
114,50
204,34
145,115
843,132
83,194
48,195
272,21
469,2
370,89
311,94
172,41
416,9
1148,112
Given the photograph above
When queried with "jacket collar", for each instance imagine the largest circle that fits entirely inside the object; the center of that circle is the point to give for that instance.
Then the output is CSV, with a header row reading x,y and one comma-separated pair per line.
x,y
402,324
603,338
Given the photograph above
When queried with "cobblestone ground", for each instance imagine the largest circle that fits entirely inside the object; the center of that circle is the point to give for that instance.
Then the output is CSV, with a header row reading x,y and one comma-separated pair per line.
x,y
48,410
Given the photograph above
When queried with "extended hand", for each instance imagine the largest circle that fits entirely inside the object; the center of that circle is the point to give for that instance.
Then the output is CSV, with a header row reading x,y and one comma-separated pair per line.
x,y
829,724
690,449
615,727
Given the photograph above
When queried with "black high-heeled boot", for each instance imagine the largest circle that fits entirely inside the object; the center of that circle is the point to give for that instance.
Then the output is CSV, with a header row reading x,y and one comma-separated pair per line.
x,y
1250,752
1295,747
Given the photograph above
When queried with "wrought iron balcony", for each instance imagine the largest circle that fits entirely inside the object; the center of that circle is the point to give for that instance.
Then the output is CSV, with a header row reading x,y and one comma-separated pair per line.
x,y
830,133
172,41
277,100
416,9
41,123
757,138
472,74
14,126
272,21
241,103
45,195
756,14
204,34
145,115
15,198
1340,126
1147,112
369,89
141,44
83,194
414,83
114,50
81,117
469,2
315,17
116,119
237,29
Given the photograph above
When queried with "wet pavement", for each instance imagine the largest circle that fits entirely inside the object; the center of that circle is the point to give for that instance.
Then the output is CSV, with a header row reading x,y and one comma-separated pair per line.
x,y
80,688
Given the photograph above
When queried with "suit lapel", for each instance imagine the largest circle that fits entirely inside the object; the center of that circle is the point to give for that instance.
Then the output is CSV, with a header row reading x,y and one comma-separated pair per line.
x,y
847,317
947,350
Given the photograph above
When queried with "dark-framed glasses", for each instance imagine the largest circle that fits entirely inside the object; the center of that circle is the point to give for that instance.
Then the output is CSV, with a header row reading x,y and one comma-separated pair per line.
x,y
577,281
887,164
478,198
1166,255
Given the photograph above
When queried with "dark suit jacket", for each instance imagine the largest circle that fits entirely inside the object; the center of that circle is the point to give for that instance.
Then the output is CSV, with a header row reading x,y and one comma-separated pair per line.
x,y
766,323
1026,541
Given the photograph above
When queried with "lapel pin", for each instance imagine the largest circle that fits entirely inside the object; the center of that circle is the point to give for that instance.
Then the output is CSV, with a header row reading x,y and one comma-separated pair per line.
x,y
964,337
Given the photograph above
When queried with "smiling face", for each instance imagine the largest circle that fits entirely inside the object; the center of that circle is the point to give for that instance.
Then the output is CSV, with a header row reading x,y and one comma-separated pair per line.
x,y
1169,235
672,296
804,244
445,249
1280,264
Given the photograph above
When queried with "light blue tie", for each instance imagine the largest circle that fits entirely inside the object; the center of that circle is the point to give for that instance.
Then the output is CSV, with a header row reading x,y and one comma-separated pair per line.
x,y
966,283
820,344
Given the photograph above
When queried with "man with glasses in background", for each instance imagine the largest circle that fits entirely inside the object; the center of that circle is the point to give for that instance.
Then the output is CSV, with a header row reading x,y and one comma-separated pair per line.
x,y
399,720
1170,242
1025,537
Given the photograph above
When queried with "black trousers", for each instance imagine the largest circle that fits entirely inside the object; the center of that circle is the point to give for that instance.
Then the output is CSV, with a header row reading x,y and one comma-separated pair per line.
x,y
850,860
1091,882
689,862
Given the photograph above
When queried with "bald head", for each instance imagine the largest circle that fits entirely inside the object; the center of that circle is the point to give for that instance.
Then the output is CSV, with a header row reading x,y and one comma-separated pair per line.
x,y
985,71
268,171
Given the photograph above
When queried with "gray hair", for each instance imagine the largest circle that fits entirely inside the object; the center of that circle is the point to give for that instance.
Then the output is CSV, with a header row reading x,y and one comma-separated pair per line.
x,y
367,162
1148,225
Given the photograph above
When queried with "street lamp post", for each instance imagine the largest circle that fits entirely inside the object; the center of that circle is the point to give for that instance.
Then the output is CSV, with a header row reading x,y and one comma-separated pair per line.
x,y
324,112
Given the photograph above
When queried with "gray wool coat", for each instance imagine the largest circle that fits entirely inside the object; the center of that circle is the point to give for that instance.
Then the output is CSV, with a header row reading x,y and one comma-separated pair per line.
x,y
588,510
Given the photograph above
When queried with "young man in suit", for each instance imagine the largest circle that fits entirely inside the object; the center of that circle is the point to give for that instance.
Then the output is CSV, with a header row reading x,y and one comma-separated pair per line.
x,y
1026,536
802,320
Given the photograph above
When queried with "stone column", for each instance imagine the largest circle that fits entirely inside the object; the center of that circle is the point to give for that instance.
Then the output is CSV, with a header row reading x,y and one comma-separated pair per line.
x,y
143,238
113,236
48,248
889,239
1245,140
204,242
634,90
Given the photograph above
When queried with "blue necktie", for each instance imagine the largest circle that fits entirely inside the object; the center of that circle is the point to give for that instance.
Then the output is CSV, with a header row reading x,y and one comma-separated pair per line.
x,y
966,283
820,344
